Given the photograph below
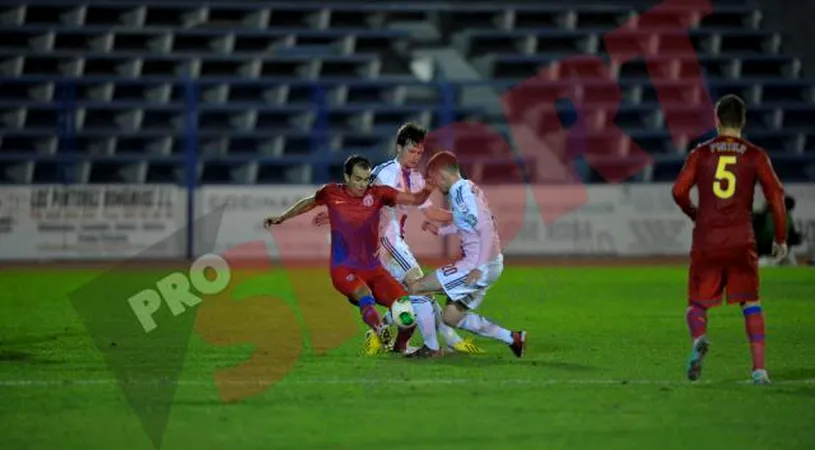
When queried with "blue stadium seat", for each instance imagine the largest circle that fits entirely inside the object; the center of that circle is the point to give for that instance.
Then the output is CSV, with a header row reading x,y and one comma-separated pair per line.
x,y
777,142
284,91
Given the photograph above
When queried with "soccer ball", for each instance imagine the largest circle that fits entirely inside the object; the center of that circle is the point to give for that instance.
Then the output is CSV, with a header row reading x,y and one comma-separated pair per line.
x,y
403,315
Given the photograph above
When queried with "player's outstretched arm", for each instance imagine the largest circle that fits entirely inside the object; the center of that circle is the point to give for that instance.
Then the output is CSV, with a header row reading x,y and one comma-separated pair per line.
x,y
774,193
436,214
433,228
413,199
304,205
684,182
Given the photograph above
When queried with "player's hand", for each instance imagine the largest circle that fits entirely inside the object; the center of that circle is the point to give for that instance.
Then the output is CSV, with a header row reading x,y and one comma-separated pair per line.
x,y
780,251
321,219
473,277
274,220
430,227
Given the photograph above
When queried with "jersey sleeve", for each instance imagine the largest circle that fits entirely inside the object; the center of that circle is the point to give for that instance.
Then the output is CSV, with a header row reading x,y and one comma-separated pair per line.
x,y
774,193
683,184
387,194
321,196
476,221
465,206
383,177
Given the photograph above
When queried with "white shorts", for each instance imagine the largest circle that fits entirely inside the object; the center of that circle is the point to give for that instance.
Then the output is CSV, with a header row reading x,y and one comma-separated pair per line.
x,y
453,279
395,255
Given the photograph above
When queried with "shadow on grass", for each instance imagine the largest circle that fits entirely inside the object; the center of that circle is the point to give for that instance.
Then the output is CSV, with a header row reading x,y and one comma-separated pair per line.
x,y
15,356
794,374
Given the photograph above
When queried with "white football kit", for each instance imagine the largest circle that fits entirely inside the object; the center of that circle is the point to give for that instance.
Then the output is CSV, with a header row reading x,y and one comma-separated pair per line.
x,y
480,245
394,252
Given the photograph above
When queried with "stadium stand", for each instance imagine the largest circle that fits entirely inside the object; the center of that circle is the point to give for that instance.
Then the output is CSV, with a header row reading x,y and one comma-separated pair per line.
x,y
281,93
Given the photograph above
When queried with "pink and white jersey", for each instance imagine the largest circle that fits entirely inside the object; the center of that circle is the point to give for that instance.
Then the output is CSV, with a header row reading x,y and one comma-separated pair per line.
x,y
474,224
392,174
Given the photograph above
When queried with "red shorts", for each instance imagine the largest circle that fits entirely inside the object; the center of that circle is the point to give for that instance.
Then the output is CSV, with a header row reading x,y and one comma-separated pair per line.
x,y
713,271
385,288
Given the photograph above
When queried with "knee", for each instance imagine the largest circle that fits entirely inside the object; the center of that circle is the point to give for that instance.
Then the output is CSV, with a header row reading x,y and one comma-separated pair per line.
x,y
451,316
359,294
449,320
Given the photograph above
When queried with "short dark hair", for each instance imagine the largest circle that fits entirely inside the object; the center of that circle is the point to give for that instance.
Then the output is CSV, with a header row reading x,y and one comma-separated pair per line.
x,y
731,111
354,161
410,132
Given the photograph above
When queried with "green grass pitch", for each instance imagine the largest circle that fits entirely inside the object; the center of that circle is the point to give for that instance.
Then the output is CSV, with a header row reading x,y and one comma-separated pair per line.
x,y
604,369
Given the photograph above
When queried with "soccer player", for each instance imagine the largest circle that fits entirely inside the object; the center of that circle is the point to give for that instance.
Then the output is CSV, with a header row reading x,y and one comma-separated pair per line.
x,y
466,281
354,212
400,173
723,254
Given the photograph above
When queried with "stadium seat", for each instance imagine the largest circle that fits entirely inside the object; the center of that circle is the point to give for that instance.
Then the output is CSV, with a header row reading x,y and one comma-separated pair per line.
x,y
732,17
777,142
284,91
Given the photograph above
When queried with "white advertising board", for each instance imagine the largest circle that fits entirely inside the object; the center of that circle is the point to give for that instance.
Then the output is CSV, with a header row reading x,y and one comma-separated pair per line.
x,y
92,222
624,220
245,208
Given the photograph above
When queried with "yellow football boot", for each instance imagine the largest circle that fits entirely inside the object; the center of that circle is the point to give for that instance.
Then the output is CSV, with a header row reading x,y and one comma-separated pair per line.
x,y
468,346
376,343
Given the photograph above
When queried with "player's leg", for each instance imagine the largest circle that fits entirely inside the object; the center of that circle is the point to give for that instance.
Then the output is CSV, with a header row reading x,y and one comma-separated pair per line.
x,y
754,327
428,314
348,283
705,285
396,262
465,298
396,257
742,288
432,283
387,290
458,314
453,340
426,285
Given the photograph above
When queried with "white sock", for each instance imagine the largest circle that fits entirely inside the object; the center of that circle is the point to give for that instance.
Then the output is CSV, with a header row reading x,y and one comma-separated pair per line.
x,y
446,331
479,325
387,319
426,321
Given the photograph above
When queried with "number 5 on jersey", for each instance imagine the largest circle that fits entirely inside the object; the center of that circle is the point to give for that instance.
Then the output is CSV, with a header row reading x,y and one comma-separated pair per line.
x,y
725,177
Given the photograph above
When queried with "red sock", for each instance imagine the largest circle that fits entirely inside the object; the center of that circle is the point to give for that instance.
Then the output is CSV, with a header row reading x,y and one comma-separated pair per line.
x,y
370,317
696,316
754,325
402,339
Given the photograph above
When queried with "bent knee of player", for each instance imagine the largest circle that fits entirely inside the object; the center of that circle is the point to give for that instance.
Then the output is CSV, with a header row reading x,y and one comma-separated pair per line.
x,y
360,292
452,315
